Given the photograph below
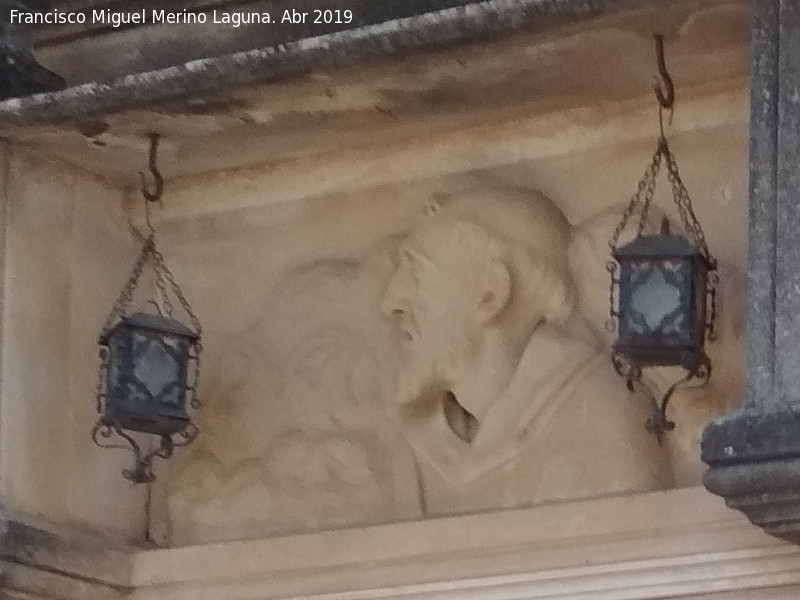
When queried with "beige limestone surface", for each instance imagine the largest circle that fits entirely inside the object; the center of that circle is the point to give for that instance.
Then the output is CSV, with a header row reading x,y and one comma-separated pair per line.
x,y
313,365
644,547
417,98
68,253
300,359
283,222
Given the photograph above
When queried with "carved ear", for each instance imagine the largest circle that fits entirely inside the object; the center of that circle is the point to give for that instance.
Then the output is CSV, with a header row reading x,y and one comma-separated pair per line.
x,y
494,288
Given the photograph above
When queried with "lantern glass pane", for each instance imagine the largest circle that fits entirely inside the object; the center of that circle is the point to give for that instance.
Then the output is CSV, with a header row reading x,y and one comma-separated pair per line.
x,y
658,303
156,368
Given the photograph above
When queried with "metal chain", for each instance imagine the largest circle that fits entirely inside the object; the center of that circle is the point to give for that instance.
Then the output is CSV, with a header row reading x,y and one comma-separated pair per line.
x,y
159,264
163,270
160,283
642,197
163,277
162,289
126,295
650,188
681,197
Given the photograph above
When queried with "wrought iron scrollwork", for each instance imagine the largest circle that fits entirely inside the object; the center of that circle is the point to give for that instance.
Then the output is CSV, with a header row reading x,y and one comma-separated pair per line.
x,y
142,470
658,423
713,283
613,313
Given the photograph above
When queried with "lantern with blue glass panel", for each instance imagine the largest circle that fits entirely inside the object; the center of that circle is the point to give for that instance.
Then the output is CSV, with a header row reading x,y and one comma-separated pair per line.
x,y
663,281
663,293
149,363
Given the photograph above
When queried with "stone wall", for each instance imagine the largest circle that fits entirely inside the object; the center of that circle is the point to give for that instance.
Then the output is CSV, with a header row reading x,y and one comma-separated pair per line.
x,y
68,254
290,269
300,430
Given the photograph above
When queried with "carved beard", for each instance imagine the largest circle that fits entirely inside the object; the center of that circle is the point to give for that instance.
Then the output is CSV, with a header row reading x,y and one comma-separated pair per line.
x,y
418,382
424,390
427,373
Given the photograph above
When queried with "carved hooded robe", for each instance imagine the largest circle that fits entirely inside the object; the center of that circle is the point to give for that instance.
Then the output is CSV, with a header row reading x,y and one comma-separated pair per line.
x,y
565,427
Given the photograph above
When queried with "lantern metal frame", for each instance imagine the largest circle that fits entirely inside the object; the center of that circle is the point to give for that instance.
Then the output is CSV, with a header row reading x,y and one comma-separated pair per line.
x,y
628,360
107,426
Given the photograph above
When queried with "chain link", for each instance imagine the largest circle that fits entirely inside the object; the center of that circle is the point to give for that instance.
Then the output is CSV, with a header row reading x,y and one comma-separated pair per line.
x,y
165,282
643,197
162,289
681,197
126,295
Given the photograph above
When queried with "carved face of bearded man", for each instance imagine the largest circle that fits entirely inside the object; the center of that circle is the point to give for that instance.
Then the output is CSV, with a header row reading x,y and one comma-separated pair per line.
x,y
472,283
434,296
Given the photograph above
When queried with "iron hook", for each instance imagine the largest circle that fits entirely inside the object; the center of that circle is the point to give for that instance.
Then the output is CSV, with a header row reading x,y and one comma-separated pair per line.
x,y
155,195
663,86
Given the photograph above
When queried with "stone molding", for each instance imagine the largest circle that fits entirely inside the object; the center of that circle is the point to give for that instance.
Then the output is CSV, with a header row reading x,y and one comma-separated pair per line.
x,y
675,544
681,543
393,37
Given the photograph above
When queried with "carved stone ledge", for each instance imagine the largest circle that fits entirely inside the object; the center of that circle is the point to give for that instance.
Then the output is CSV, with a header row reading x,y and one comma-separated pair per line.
x,y
680,544
42,561
754,460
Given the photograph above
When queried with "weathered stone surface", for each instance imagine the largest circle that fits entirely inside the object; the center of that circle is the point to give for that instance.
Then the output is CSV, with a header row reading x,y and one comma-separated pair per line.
x,y
754,454
393,38
20,74
575,550
762,206
295,377
416,106
43,561
176,44
787,242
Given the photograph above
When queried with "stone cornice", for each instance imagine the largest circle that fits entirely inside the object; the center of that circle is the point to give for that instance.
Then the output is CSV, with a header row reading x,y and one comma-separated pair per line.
x,y
394,37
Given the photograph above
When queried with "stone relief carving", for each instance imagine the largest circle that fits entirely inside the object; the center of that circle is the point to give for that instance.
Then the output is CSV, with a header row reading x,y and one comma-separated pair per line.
x,y
460,367
502,389
295,435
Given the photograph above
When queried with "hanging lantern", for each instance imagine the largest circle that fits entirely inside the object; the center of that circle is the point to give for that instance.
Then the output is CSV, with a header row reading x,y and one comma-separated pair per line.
x,y
663,283
148,359
663,286
149,363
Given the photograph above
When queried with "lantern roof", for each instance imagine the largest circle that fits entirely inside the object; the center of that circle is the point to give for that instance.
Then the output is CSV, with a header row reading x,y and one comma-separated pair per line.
x,y
154,323
658,245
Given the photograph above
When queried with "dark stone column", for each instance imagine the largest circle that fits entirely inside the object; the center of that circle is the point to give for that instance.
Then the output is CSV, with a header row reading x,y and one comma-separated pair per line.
x,y
20,74
754,453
